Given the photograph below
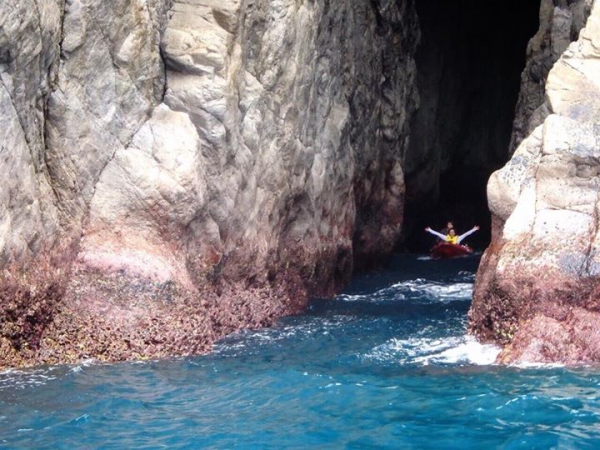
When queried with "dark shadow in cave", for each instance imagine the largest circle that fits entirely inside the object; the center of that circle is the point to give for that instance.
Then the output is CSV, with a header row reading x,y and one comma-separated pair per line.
x,y
469,64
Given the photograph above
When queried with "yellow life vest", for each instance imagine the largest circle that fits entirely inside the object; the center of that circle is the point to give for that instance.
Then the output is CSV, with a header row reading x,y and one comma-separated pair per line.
x,y
452,239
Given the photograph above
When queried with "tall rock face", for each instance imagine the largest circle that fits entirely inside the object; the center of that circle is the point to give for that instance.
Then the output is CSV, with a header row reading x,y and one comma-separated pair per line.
x,y
29,56
560,24
110,77
217,162
538,285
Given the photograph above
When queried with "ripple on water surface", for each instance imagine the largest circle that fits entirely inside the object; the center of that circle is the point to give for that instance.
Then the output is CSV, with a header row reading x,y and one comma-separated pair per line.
x,y
385,365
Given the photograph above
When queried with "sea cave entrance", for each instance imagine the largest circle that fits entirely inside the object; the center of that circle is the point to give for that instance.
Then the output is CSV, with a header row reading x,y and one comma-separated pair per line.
x,y
469,65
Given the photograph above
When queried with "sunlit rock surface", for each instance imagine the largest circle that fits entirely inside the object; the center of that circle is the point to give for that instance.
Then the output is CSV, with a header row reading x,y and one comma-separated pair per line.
x,y
560,24
537,289
177,170
110,77
216,162
29,61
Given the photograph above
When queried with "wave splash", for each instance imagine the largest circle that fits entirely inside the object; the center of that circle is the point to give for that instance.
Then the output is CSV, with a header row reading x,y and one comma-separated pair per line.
x,y
424,351
417,289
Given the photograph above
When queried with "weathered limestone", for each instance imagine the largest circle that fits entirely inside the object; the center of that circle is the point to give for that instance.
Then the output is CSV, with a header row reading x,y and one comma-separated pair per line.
x,y
109,79
272,118
538,285
560,24
220,160
29,52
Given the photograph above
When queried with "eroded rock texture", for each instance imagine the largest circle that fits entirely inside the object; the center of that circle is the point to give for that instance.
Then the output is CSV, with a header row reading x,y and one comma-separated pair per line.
x,y
29,55
537,288
109,79
216,161
560,24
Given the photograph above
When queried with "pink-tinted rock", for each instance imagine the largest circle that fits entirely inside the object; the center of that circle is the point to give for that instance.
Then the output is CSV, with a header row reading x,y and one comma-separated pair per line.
x,y
537,291
218,162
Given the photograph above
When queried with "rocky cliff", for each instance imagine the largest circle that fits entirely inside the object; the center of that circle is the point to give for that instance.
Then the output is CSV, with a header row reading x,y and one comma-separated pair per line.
x,y
182,169
537,288
559,24
179,169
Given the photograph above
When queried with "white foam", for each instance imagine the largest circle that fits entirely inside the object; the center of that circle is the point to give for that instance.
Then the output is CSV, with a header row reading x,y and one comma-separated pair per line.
x,y
354,298
436,290
85,363
467,275
249,340
386,294
468,351
450,350
416,288
457,291
537,365
21,379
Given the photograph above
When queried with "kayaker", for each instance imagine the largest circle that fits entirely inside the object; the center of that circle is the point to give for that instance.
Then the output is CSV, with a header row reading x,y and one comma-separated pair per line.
x,y
451,237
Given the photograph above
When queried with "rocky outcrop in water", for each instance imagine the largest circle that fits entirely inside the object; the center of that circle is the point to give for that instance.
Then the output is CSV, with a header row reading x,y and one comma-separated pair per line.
x,y
538,285
212,164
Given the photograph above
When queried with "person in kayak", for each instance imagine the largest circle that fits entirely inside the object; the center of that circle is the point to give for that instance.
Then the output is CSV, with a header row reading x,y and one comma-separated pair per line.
x,y
451,237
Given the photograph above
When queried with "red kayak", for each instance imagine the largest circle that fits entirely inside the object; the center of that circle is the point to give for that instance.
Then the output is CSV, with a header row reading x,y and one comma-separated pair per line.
x,y
445,250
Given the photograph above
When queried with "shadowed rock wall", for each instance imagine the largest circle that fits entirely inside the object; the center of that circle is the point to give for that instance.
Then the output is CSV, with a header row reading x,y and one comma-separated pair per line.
x,y
469,62
217,162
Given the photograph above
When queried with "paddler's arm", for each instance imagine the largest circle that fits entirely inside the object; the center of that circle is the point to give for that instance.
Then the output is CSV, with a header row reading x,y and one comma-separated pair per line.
x,y
468,233
435,233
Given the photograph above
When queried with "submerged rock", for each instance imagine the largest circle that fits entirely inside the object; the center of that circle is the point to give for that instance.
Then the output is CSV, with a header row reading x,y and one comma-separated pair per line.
x,y
537,289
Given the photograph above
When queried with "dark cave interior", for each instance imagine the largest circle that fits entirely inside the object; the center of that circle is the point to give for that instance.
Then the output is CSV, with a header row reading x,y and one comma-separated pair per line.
x,y
469,65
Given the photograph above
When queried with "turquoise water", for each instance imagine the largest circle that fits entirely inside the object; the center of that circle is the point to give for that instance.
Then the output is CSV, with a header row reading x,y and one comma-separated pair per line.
x,y
386,365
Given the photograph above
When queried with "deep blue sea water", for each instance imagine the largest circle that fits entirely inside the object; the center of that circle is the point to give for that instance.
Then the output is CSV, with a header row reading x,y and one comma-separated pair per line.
x,y
386,365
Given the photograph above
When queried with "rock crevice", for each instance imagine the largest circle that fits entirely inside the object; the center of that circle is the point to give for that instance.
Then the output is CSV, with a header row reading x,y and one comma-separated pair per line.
x,y
469,68
209,166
